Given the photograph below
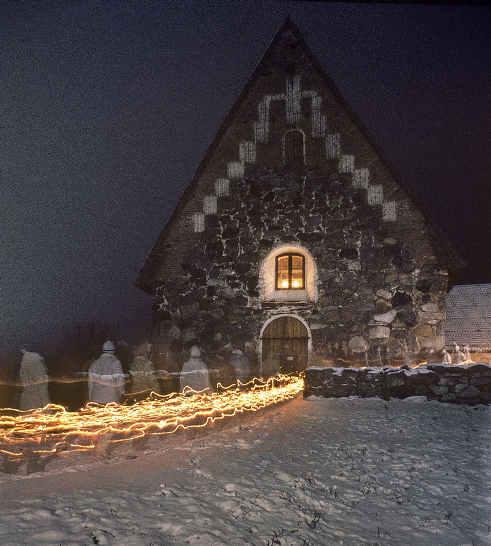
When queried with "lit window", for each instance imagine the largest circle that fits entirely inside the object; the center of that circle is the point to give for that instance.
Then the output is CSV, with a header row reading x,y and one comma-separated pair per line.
x,y
290,272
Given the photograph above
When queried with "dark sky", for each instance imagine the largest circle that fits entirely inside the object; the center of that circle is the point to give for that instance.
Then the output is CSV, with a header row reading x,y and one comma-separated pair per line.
x,y
107,108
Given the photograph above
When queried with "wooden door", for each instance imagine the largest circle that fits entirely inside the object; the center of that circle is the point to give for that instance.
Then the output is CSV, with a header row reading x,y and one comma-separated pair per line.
x,y
284,346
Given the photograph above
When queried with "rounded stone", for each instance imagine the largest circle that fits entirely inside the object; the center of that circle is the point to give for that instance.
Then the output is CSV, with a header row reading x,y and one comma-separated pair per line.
x,y
358,344
384,294
381,306
379,332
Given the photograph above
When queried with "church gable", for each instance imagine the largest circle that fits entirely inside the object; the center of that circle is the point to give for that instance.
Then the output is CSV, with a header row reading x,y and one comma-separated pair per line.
x,y
293,210
288,107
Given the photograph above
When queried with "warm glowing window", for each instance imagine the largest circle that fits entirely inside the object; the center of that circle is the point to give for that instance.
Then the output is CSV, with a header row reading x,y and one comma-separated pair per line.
x,y
290,272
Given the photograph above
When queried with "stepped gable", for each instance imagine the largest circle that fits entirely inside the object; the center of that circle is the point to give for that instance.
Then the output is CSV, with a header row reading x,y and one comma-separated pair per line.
x,y
288,82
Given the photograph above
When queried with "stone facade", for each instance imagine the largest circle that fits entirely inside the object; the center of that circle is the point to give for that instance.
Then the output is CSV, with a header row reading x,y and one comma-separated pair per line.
x,y
293,169
469,384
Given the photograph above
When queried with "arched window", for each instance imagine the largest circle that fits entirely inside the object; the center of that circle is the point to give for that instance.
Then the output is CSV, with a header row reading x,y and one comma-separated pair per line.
x,y
294,148
290,272
298,276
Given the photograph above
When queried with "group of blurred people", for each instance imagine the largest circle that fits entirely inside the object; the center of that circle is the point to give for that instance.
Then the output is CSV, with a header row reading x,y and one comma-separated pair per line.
x,y
460,356
107,380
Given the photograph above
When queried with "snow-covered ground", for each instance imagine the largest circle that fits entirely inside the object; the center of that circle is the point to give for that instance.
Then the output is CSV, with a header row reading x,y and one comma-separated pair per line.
x,y
307,472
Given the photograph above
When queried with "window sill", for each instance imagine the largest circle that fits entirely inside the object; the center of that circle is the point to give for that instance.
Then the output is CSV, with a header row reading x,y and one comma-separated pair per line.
x,y
288,295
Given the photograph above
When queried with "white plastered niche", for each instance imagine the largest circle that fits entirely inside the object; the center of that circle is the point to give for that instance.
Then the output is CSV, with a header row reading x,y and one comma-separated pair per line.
x,y
267,274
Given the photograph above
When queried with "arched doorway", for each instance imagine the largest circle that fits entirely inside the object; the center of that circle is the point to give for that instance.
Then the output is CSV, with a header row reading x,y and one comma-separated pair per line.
x,y
285,344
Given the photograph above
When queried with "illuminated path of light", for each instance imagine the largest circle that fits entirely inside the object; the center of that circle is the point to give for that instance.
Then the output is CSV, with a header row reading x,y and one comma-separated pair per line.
x,y
54,430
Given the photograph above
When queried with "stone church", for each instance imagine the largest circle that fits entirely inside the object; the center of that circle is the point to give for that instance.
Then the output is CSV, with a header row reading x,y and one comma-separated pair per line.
x,y
295,243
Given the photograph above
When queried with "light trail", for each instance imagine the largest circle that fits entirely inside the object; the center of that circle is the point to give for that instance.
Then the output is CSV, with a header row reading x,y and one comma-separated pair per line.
x,y
54,430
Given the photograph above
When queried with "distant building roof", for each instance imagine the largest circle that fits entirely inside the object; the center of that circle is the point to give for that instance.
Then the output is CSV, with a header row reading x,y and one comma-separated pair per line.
x,y
469,316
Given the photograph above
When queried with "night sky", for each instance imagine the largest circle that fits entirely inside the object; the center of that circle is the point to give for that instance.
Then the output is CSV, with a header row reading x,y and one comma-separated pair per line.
x,y
108,107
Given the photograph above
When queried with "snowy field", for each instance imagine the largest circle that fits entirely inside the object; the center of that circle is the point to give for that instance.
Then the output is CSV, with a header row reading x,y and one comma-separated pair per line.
x,y
313,472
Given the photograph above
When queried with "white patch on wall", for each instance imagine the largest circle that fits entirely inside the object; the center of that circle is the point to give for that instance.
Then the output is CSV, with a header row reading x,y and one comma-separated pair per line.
x,y
247,151
316,103
222,187
262,125
333,146
198,222
293,99
210,204
375,194
260,131
318,120
293,109
235,169
346,164
318,124
361,178
389,211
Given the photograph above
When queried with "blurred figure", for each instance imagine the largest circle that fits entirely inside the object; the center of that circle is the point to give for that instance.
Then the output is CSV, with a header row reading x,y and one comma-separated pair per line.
x,y
194,372
33,377
142,371
459,355
106,377
270,366
240,364
467,353
446,357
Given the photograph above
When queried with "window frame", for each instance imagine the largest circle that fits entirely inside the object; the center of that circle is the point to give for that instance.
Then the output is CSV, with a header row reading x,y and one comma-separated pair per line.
x,y
290,270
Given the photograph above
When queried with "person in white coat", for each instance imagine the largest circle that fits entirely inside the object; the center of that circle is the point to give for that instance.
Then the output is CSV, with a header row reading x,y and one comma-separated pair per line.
x,y
459,355
240,364
106,377
33,377
447,358
142,372
194,372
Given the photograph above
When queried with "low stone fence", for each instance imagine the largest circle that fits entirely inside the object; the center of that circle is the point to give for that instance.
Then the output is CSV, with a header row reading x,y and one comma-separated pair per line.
x,y
463,384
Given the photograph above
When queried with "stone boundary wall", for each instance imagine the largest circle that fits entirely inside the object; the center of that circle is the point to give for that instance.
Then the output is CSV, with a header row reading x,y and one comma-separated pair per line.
x,y
464,384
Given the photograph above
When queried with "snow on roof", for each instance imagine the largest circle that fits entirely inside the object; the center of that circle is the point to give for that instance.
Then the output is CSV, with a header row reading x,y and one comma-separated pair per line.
x,y
469,316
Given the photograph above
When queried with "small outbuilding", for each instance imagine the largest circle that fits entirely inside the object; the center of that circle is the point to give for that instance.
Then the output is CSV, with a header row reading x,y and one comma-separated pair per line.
x,y
469,317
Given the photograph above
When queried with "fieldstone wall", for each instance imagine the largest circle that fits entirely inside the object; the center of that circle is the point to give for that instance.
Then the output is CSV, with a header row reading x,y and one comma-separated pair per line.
x,y
467,384
379,302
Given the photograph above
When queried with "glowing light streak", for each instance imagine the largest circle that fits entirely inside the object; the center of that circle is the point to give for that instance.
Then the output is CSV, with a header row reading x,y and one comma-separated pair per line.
x,y
54,430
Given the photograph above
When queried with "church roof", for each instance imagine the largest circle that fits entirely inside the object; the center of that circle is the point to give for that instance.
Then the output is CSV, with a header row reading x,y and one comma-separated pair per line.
x,y
469,316
443,248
